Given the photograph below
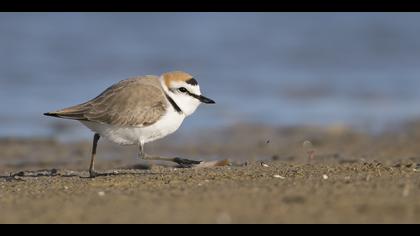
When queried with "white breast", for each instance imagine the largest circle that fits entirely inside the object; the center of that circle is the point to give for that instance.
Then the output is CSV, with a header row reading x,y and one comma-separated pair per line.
x,y
168,124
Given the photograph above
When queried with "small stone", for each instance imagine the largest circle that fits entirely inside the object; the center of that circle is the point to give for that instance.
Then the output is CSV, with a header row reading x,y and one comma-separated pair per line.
x,y
264,165
279,177
325,177
101,194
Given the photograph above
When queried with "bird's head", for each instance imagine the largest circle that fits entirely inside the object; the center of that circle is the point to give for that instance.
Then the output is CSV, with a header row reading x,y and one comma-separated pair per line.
x,y
184,91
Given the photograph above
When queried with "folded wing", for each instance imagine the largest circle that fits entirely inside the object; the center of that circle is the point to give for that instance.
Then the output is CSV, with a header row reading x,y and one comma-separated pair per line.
x,y
134,102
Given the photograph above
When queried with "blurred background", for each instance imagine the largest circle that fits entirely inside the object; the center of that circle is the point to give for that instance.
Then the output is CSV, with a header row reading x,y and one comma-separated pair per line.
x,y
283,69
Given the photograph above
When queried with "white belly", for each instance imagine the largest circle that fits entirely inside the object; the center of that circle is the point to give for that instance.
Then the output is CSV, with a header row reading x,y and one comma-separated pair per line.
x,y
168,124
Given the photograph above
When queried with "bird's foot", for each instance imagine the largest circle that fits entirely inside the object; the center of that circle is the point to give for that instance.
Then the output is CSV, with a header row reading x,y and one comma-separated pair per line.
x,y
93,174
186,163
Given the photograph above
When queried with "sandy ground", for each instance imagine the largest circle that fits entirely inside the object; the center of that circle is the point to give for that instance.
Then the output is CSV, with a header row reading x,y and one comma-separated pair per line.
x,y
354,178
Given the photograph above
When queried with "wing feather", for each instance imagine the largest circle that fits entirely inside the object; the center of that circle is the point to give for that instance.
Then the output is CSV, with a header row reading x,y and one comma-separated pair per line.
x,y
133,102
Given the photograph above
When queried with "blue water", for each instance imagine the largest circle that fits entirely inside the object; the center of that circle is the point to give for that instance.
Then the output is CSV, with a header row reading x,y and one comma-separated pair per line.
x,y
359,69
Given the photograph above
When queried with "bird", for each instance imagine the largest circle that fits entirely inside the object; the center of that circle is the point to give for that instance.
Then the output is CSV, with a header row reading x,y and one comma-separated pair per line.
x,y
139,110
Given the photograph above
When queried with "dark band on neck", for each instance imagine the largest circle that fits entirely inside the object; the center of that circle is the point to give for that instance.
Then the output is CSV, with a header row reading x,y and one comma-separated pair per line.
x,y
173,103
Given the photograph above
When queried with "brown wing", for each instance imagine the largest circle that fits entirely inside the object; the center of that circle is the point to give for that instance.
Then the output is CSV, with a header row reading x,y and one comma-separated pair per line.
x,y
134,102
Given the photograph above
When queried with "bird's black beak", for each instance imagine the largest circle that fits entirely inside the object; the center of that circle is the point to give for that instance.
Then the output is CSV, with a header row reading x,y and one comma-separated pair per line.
x,y
203,99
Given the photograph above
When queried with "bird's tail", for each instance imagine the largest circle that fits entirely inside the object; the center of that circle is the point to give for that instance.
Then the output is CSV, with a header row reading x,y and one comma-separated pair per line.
x,y
53,114
73,113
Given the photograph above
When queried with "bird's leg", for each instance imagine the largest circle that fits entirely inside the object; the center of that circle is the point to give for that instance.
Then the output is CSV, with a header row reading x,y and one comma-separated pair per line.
x,y
92,172
141,151
180,161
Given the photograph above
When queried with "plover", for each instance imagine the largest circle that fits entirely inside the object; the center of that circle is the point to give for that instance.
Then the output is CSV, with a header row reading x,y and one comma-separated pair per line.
x,y
139,110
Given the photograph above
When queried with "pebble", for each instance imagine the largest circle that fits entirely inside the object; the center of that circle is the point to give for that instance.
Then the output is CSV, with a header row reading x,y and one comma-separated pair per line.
x,y
264,165
101,194
279,177
325,177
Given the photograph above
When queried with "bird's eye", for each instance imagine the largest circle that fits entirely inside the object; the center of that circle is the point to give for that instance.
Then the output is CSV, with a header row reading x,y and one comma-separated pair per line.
x,y
182,89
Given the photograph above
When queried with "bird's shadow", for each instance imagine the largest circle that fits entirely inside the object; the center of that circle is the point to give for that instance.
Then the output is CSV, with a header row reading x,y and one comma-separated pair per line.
x,y
21,175
33,174
138,169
